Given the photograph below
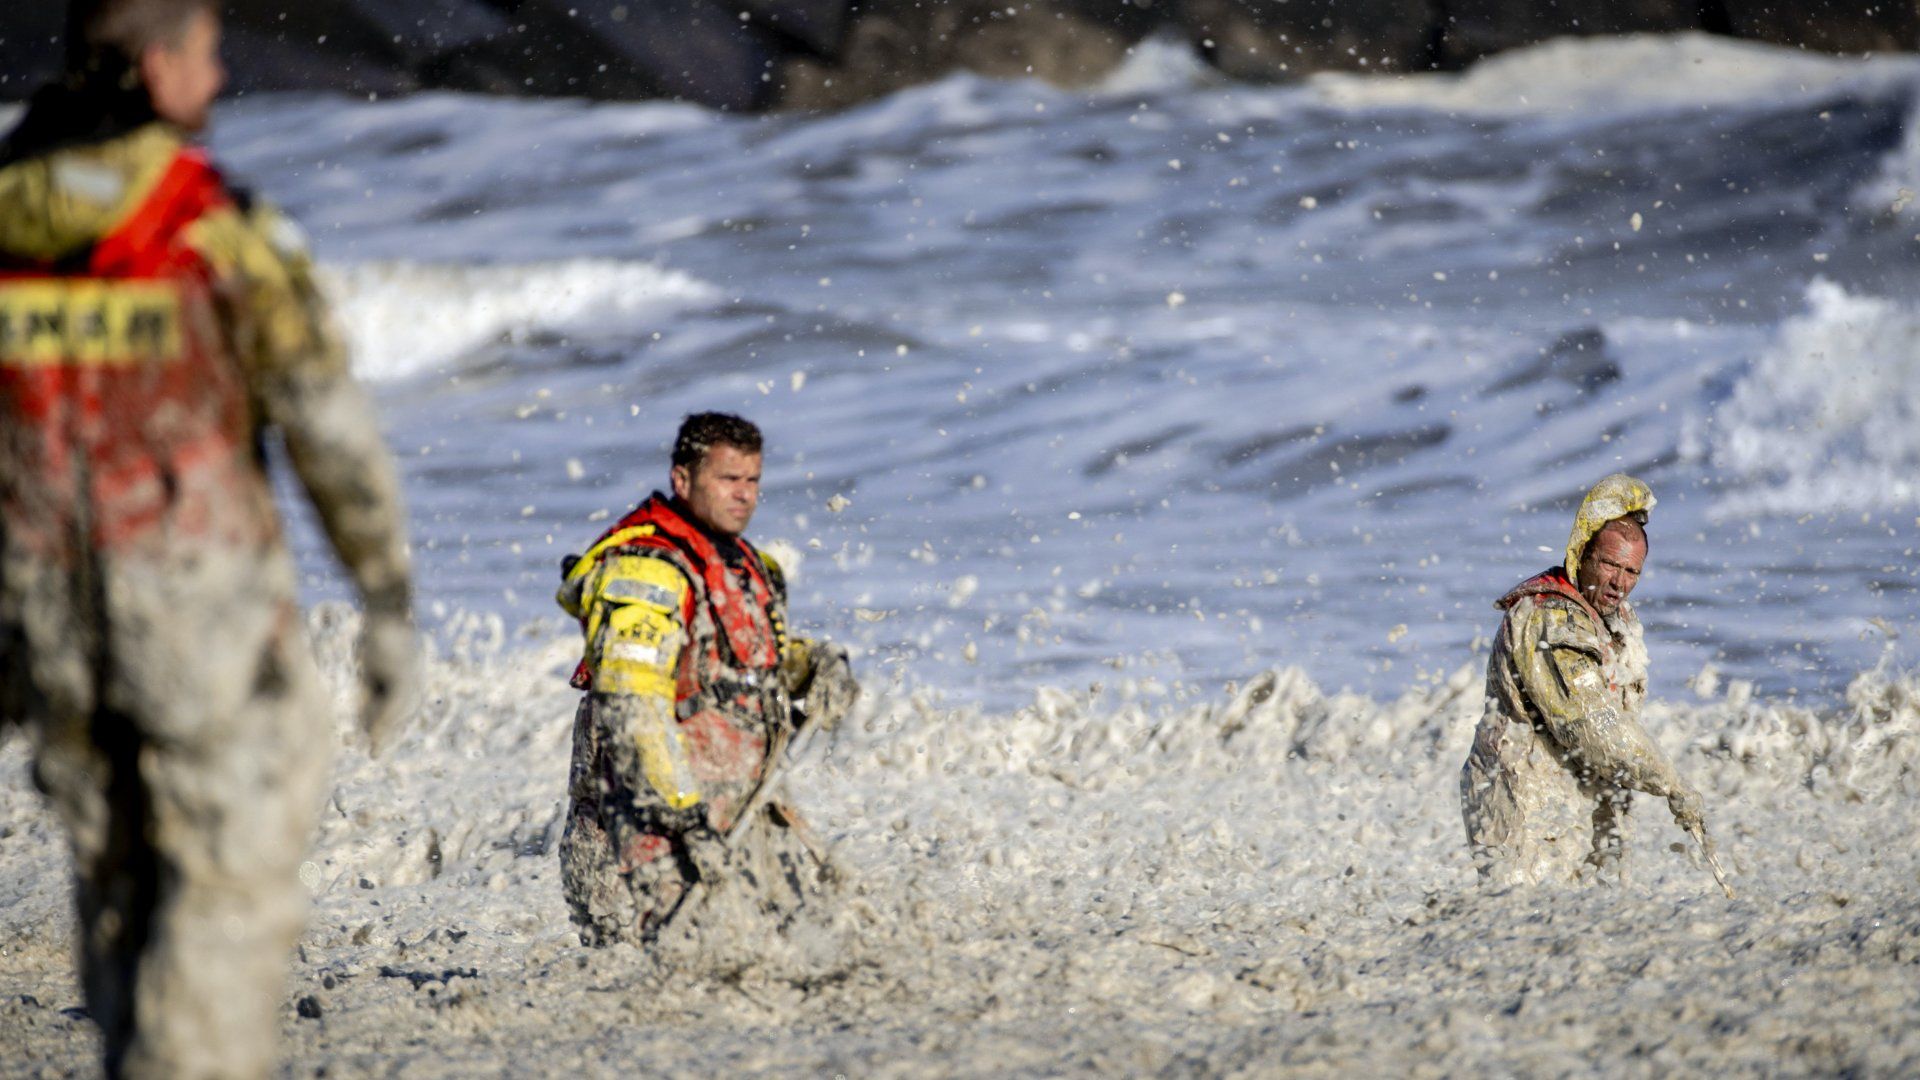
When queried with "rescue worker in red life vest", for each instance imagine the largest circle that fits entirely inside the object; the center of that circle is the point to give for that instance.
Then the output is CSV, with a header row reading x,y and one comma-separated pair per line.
x,y
1560,749
154,325
694,690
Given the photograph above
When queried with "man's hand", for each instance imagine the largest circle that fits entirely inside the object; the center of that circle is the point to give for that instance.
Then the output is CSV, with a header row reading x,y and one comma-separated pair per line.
x,y
1688,810
830,690
389,677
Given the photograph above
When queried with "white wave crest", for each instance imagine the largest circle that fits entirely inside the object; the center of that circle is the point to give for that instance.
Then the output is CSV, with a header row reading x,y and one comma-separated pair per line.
x,y
1571,76
405,318
1829,417
1161,62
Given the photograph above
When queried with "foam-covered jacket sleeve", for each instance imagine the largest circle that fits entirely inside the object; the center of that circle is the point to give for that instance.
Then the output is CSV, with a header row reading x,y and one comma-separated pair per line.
x,y
1558,653
282,335
636,630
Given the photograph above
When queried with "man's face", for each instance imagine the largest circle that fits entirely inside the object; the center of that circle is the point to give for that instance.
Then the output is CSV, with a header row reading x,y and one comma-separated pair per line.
x,y
1610,567
183,77
722,490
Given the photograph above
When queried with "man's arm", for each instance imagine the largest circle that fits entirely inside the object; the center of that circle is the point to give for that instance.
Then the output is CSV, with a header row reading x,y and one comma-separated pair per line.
x,y
636,630
297,372
1560,669
298,378
817,674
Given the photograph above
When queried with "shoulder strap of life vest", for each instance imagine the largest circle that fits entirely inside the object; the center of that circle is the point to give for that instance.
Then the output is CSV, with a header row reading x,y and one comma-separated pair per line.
x,y
1554,584
751,647
655,524
144,244
1558,582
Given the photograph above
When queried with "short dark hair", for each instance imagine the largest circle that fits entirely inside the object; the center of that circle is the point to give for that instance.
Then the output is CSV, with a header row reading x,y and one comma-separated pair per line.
x,y
701,432
118,31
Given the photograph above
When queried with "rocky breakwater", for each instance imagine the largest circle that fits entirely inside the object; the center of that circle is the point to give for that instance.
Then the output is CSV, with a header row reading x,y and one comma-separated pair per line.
x,y
759,54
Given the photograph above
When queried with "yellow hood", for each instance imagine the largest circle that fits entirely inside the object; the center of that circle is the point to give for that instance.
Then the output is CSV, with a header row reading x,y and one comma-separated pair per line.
x,y
1616,496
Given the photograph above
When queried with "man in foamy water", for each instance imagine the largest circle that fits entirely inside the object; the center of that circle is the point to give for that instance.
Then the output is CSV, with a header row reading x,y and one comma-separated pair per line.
x,y
1560,750
694,689
155,325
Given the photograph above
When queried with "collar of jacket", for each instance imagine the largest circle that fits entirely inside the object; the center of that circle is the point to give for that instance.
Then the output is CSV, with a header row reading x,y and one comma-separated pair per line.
x,y
1550,582
729,588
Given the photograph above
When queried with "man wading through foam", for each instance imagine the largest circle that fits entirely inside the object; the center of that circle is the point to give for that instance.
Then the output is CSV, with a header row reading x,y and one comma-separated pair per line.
x,y
153,325
1560,750
691,683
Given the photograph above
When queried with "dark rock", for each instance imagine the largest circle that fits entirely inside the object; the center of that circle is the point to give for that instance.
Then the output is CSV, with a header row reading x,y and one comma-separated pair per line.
x,y
1251,39
1826,25
31,47
1475,28
756,54
354,46
416,33
276,60
309,1007
698,50
892,44
818,26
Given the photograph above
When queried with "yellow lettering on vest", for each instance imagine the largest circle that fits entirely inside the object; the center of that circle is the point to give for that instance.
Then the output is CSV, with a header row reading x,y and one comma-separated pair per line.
x,y
89,322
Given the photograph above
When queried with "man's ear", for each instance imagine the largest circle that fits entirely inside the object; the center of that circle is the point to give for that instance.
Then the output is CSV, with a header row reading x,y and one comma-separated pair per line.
x,y
682,479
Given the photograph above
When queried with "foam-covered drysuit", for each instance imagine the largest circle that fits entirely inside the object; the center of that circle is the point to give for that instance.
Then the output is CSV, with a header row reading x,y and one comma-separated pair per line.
x,y
153,326
1560,748
691,683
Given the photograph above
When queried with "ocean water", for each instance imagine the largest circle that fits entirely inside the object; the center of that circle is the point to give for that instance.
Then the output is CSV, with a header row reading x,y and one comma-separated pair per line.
x,y
1174,377
1186,432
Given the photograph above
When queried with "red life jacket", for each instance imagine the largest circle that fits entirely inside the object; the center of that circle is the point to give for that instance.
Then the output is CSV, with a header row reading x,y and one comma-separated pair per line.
x,y
124,420
1554,582
727,690
747,632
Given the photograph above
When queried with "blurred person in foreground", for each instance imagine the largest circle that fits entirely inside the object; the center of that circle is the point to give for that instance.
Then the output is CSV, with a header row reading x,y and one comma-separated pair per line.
x,y
1560,749
694,690
155,324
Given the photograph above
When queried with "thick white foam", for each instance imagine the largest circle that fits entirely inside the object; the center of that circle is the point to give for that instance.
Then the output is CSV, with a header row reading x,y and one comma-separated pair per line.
x,y
1259,874
404,318
1828,418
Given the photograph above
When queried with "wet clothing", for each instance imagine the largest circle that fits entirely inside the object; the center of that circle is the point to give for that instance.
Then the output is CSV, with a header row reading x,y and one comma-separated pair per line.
x,y
1560,749
691,680
153,326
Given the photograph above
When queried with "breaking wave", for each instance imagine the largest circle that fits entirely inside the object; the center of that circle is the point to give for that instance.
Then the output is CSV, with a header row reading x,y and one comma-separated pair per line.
x,y
406,318
1828,418
1569,76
